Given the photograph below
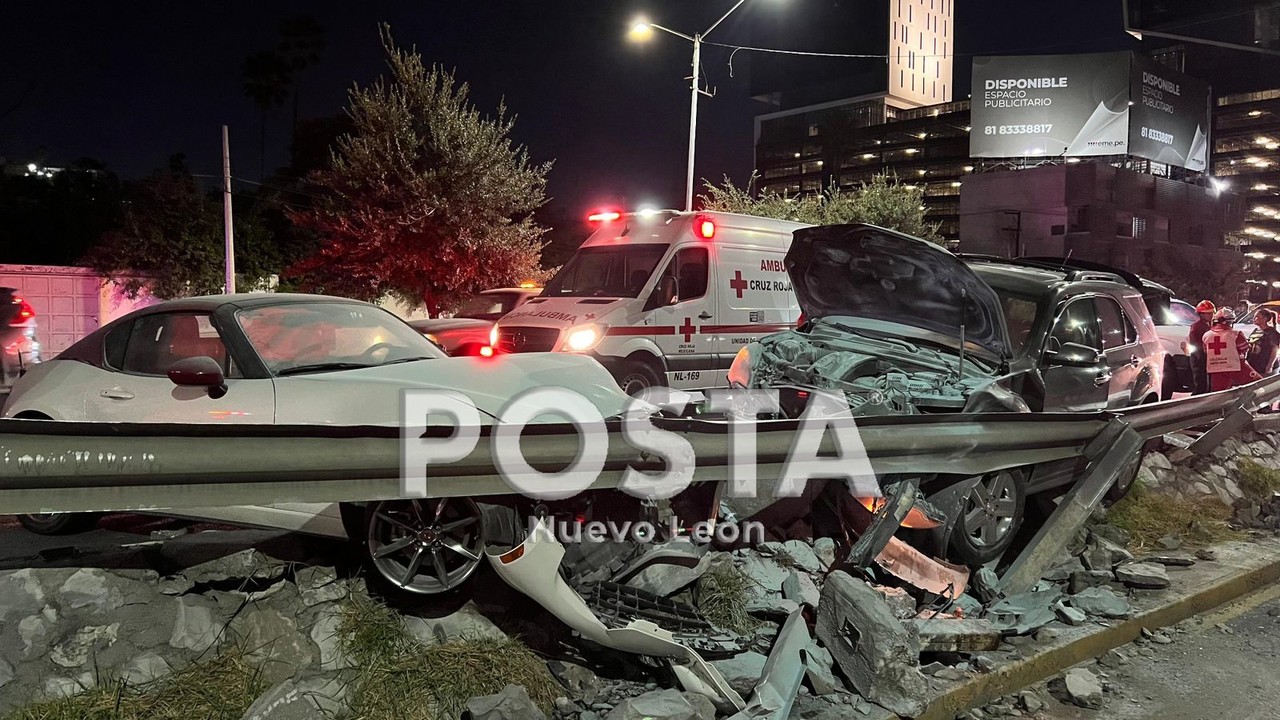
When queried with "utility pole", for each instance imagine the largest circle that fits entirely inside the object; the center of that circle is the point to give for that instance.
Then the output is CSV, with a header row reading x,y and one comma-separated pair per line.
x,y
230,244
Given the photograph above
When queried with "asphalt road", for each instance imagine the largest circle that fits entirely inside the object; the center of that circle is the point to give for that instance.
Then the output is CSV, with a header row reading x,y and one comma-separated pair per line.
x,y
1224,667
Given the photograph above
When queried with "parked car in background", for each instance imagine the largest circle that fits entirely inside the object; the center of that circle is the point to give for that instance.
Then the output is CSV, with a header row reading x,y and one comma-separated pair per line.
x,y
468,330
899,326
296,360
19,348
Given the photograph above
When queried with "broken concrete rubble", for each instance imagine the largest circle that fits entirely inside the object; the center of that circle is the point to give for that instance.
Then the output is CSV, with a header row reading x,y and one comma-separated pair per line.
x,y
799,588
664,705
953,635
1143,575
1102,602
1082,688
1103,554
1024,613
1085,579
871,646
511,703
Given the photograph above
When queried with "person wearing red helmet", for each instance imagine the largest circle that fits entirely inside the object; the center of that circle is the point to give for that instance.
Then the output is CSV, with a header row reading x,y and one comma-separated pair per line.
x,y
1225,350
1195,347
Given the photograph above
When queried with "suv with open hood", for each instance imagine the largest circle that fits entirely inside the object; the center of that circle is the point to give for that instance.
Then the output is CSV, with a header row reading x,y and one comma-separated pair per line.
x,y
900,326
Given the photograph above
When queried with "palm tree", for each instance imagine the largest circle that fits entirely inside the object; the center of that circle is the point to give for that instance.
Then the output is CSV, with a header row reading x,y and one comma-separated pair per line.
x,y
266,78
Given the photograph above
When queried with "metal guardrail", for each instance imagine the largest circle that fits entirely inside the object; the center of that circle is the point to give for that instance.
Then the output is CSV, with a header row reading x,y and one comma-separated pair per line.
x,y
52,466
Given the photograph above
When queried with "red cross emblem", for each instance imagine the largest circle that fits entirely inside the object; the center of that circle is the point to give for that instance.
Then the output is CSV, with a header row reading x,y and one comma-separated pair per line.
x,y
1217,345
686,329
737,283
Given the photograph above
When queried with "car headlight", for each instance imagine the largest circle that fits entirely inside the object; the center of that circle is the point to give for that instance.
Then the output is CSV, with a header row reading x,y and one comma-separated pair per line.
x,y
493,336
740,370
582,338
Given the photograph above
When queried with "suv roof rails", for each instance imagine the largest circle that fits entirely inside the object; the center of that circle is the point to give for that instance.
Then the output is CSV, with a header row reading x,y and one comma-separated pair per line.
x,y
1076,270
1133,279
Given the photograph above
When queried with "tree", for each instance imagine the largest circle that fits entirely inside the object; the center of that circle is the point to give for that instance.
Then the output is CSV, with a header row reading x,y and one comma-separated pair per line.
x,y
1196,274
883,202
266,78
170,240
425,198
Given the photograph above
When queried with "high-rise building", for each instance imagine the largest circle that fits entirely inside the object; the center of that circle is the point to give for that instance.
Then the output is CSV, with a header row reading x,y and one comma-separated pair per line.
x,y
1236,47
895,113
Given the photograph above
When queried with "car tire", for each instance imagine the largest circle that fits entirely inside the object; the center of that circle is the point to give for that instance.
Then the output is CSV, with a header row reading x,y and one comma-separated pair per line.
x,y
55,523
422,548
634,376
989,517
59,523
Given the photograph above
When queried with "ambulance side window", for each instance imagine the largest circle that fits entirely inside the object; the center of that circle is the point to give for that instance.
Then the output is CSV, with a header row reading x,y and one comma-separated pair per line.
x,y
689,268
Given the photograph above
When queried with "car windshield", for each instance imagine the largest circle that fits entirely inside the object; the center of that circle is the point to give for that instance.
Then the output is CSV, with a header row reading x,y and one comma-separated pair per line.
x,y
1020,312
489,306
296,338
607,271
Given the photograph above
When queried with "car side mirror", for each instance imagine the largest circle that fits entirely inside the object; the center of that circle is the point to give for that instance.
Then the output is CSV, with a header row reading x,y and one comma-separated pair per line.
x,y
201,371
1073,355
663,295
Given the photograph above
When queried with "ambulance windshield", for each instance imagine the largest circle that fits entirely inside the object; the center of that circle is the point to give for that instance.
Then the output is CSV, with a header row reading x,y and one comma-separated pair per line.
x,y
618,271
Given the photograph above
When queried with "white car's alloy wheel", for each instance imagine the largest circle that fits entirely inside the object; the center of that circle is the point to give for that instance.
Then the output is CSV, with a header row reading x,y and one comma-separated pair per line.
x,y
426,547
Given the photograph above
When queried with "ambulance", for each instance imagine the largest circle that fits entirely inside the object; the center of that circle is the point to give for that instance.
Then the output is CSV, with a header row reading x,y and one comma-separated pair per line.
x,y
662,297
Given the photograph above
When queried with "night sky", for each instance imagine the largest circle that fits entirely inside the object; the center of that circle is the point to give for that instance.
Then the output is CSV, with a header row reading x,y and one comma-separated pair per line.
x,y
132,83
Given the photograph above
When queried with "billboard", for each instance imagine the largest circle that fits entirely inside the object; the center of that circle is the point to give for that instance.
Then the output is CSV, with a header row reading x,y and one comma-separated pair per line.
x,y
1083,105
1169,119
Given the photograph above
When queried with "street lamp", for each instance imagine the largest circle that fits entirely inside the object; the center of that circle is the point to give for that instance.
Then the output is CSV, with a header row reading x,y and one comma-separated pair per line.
x,y
643,30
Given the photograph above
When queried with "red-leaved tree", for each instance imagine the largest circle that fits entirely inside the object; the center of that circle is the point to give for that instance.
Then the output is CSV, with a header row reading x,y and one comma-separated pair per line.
x,y
425,198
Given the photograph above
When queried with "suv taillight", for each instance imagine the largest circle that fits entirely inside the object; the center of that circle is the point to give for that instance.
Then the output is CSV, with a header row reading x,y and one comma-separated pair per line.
x,y
25,311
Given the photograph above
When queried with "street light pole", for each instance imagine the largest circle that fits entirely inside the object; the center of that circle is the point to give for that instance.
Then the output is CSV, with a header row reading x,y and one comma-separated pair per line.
x,y
693,122
694,90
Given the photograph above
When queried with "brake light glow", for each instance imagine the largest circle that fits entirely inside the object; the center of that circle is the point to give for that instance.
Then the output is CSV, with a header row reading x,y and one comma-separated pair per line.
x,y
486,351
604,217
25,311
705,228
493,336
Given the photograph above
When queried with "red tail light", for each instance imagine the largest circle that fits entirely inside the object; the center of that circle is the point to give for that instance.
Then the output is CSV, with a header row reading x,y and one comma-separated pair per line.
x,y
604,216
25,311
800,321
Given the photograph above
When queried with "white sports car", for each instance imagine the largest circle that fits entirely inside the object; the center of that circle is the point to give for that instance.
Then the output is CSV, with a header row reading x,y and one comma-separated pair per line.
x,y
296,359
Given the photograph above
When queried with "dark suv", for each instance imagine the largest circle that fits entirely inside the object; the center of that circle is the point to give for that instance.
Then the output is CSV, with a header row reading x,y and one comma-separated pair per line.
x,y
1054,313
899,326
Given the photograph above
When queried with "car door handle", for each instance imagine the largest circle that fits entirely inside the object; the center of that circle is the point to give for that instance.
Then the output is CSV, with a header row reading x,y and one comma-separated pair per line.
x,y
704,316
1135,361
117,394
1102,379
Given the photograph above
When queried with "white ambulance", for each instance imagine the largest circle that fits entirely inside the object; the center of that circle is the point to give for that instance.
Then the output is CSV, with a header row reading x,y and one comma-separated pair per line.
x,y
662,297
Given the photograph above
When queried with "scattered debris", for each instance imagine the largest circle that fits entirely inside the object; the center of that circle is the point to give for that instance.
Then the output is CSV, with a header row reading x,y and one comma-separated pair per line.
x,y
1102,602
664,705
1082,688
511,703
1143,575
871,646
952,635
1025,613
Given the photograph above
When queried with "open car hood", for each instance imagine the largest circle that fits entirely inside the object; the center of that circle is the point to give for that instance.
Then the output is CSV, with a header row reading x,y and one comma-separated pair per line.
x,y
864,271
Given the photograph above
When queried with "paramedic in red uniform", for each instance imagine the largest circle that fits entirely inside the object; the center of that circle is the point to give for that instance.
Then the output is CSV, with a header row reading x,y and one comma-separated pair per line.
x,y
1225,350
1195,347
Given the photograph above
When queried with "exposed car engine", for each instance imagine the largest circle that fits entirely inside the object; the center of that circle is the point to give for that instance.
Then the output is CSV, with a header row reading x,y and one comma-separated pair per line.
x,y
879,376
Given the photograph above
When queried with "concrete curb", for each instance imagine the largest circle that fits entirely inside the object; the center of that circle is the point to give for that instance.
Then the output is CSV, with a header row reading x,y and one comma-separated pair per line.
x,y
979,690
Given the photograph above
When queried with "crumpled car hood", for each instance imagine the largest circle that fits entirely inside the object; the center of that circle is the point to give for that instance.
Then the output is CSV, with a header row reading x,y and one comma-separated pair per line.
x,y
864,271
